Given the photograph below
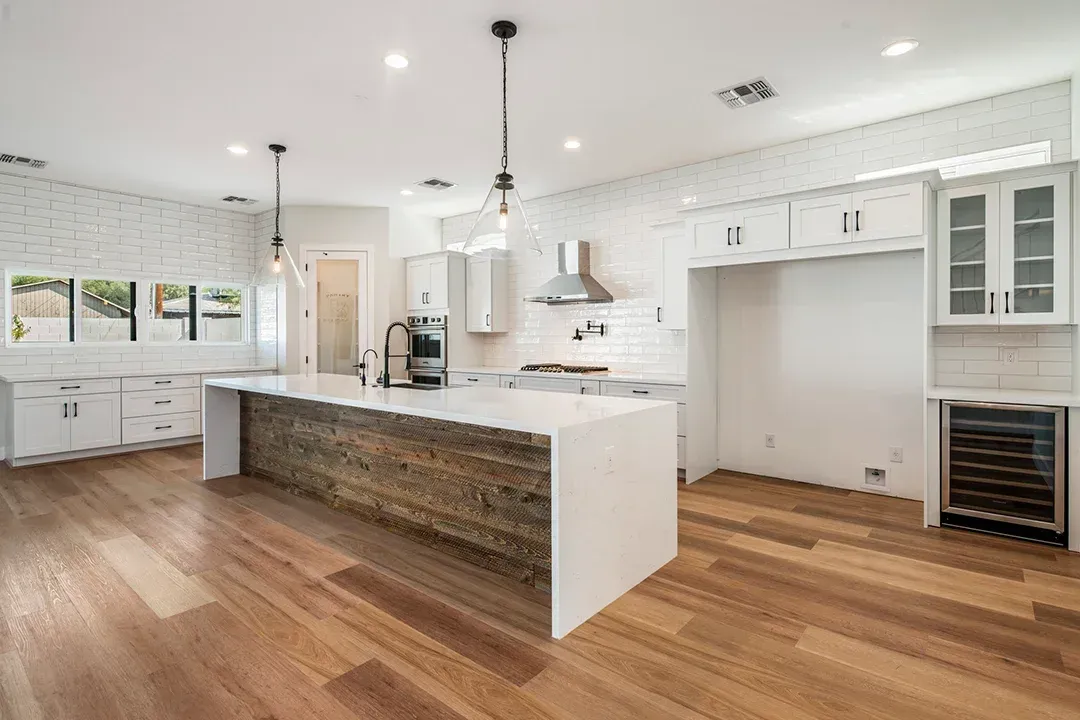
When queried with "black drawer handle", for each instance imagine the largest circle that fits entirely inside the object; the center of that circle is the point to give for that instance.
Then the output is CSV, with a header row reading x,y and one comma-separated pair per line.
x,y
640,392
162,402
163,382
163,427
473,379
71,387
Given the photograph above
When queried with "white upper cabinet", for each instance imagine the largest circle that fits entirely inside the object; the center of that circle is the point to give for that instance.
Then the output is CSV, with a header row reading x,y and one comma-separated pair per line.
x,y
712,235
757,229
822,221
674,261
486,295
1003,253
889,212
427,283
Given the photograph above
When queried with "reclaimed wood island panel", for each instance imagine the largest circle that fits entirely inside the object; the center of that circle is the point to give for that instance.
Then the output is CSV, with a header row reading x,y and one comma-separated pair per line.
x,y
572,494
482,494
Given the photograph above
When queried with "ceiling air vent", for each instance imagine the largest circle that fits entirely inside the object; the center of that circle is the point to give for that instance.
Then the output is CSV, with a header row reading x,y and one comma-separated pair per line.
x,y
738,96
23,161
436,184
235,200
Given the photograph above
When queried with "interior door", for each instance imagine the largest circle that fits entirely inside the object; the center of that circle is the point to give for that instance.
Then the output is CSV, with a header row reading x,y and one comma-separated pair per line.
x,y
478,295
42,426
417,280
337,311
438,290
968,253
762,228
95,421
889,212
822,221
1035,227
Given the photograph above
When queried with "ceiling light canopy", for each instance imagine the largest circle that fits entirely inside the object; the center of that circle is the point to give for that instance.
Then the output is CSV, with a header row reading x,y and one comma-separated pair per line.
x,y
237,149
900,47
502,227
396,61
572,144
277,262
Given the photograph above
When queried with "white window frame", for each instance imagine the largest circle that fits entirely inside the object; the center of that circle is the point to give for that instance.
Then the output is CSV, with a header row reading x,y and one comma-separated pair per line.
x,y
10,273
246,311
79,278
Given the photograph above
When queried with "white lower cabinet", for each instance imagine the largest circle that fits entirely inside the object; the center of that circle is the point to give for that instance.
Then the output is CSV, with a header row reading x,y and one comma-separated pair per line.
x,y
49,425
161,427
548,384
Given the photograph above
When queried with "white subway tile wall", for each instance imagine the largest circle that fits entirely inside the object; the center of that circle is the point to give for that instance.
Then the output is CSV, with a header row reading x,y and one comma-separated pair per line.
x,y
976,357
616,218
63,228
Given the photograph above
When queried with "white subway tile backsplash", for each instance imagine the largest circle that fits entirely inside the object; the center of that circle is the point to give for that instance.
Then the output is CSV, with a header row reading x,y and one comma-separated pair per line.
x,y
1043,357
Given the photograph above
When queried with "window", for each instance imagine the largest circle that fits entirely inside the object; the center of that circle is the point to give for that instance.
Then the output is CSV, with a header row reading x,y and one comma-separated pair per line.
x,y
42,309
173,309
221,314
1016,156
107,311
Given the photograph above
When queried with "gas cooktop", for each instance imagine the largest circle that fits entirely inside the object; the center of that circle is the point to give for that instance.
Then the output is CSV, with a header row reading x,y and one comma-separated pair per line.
x,y
559,368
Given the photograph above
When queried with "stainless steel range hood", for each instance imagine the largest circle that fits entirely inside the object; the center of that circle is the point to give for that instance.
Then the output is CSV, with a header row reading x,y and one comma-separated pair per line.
x,y
573,284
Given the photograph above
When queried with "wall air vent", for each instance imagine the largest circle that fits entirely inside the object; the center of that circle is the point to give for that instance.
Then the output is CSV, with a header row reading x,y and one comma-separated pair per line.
x,y
739,96
23,161
235,200
436,184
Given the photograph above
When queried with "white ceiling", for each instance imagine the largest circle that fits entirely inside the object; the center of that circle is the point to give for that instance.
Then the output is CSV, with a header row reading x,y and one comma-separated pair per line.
x,y
143,95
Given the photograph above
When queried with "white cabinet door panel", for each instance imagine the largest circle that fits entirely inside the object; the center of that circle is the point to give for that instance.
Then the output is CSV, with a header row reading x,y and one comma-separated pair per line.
x,y
675,258
95,421
439,289
42,426
478,295
712,235
417,282
889,212
822,221
761,229
968,292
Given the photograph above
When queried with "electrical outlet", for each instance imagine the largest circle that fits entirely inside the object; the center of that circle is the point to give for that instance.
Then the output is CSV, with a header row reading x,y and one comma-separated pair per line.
x,y
896,454
609,459
1008,356
770,440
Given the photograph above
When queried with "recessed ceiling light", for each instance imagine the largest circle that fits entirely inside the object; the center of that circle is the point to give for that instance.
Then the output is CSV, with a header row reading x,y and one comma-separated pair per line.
x,y
406,192
396,61
900,47
572,144
237,149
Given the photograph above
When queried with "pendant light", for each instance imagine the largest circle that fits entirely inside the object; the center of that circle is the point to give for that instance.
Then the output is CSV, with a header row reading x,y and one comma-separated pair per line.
x,y
277,262
502,226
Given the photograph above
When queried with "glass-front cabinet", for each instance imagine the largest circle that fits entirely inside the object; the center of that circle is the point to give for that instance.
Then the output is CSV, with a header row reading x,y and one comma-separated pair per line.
x,y
1003,253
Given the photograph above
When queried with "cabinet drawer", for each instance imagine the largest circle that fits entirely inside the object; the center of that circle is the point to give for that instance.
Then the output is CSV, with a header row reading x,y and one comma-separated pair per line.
x,y
161,402
160,382
681,423
163,427
56,388
682,453
470,379
548,384
644,391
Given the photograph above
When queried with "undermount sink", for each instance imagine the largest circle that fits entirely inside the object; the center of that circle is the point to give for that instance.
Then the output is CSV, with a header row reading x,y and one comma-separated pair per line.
x,y
417,386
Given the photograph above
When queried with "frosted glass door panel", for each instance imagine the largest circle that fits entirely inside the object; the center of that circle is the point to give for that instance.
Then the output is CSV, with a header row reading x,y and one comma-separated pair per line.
x,y
967,228
338,316
1035,229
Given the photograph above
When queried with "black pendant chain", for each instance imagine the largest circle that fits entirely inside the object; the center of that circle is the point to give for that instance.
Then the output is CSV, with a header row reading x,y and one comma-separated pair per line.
x,y
505,44
277,194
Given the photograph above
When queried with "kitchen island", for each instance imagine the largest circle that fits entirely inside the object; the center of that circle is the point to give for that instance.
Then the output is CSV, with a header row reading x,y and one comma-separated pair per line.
x,y
571,493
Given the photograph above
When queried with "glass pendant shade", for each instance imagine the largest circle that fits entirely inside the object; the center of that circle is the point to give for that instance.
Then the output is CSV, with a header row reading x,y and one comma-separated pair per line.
x,y
502,228
277,267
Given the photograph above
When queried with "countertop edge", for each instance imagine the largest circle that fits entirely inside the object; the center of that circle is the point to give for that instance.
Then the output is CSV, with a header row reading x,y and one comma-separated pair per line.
x,y
616,376
998,395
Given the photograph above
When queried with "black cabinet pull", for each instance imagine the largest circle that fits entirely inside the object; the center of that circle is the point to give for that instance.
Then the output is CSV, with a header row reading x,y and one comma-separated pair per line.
x,y
729,236
658,315
991,303
76,410
487,320
1006,302
65,409
163,427
70,387
738,231
845,221
583,390
162,402
641,392
163,382
473,379
857,220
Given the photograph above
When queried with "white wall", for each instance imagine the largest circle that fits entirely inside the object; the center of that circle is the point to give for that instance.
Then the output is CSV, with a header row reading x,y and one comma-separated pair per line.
x,y
828,355
616,218
412,234
344,228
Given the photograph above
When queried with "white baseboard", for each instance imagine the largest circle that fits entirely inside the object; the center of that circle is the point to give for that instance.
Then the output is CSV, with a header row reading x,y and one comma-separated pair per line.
x,y
99,452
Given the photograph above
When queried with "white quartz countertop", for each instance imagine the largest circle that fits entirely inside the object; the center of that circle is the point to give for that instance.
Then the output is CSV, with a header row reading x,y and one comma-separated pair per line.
x,y
995,395
525,410
76,374
613,376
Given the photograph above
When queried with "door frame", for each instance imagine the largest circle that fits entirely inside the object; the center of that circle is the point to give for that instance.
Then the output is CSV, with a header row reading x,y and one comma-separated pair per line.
x,y
341,251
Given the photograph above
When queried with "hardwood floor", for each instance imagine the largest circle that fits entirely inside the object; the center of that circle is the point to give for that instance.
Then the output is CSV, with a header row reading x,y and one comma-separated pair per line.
x,y
131,589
